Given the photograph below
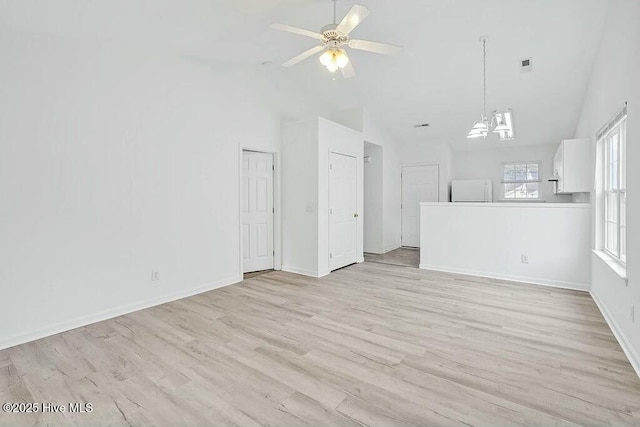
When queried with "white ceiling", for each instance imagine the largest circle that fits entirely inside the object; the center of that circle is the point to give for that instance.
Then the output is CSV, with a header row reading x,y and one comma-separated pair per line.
x,y
436,79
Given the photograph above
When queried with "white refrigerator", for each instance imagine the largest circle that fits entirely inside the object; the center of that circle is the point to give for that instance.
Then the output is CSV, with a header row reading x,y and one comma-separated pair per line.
x,y
471,190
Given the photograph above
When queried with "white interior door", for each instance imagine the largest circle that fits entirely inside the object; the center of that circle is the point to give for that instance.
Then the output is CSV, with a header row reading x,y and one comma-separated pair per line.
x,y
257,211
419,184
343,210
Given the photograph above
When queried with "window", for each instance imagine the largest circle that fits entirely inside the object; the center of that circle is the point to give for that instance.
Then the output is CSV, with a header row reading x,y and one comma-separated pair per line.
x,y
613,140
521,180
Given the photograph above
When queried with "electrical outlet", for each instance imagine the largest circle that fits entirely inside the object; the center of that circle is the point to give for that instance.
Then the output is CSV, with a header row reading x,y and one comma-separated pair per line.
x,y
155,275
524,258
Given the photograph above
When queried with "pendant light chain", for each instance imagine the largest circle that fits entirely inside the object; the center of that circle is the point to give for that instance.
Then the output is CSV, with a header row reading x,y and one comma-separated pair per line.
x,y
484,74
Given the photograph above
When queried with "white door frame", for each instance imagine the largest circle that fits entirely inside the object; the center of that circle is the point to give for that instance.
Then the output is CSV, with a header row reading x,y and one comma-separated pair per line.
x,y
277,221
401,184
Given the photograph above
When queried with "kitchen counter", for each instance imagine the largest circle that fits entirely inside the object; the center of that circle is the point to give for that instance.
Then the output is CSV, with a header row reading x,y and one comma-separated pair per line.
x,y
509,204
541,243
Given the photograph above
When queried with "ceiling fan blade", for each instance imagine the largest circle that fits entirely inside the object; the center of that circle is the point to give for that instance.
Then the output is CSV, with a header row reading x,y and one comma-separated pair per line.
x,y
296,30
383,48
348,71
356,15
304,55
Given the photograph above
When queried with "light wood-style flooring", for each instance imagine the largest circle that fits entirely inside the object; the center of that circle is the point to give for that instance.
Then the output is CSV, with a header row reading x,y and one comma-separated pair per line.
x,y
253,274
371,344
408,257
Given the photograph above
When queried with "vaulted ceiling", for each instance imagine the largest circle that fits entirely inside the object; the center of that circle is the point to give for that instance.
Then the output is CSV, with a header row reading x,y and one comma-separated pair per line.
x,y
436,79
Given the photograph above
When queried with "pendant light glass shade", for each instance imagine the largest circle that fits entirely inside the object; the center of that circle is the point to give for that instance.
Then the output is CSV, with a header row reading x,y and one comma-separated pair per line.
x,y
480,129
473,135
504,125
501,126
481,124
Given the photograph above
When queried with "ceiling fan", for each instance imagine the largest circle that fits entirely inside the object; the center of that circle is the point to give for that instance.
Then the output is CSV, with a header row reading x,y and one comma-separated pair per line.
x,y
334,37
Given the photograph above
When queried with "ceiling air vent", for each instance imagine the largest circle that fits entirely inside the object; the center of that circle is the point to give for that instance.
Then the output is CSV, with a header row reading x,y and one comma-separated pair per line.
x,y
526,65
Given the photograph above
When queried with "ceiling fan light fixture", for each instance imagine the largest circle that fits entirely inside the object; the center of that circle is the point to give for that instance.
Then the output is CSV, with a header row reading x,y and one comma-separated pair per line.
x,y
325,58
341,58
334,59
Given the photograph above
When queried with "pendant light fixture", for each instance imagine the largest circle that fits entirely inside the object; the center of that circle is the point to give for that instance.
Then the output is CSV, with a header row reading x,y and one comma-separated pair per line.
x,y
501,122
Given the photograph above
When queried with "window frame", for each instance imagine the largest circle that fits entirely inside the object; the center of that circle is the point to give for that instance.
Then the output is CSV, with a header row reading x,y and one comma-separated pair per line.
x,y
525,181
615,128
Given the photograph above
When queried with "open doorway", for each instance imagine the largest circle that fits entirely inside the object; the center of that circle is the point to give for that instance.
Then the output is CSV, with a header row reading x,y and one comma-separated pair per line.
x,y
419,183
375,203
406,257
373,199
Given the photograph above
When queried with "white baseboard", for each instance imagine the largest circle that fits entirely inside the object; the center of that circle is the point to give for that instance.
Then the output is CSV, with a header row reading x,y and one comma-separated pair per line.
x,y
521,279
629,351
109,314
323,273
304,272
382,251
374,251
392,248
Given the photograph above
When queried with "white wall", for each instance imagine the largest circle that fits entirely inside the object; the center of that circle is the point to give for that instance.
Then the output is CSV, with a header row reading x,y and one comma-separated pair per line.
x,y
117,161
300,181
371,129
360,119
488,239
373,199
482,164
349,117
391,188
614,80
305,192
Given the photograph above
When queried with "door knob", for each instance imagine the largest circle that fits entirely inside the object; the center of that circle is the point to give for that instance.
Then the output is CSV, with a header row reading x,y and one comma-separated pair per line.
x,y
355,215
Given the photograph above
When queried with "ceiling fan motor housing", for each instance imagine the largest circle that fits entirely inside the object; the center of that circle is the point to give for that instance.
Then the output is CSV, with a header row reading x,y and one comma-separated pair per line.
x,y
332,36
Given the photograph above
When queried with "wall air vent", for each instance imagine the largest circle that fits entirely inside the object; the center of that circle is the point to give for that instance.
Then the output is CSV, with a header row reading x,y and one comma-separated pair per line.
x,y
421,125
526,65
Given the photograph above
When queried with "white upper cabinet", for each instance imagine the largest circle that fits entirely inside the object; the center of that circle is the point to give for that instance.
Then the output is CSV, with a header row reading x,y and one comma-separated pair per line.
x,y
572,167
